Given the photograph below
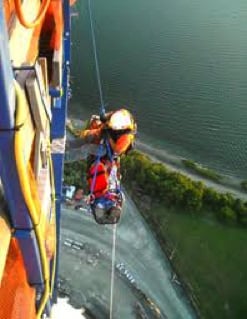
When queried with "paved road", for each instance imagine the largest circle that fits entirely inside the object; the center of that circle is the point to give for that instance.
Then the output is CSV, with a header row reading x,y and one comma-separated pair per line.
x,y
88,270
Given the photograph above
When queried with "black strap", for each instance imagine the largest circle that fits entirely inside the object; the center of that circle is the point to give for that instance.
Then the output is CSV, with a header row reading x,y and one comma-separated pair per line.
x,y
15,128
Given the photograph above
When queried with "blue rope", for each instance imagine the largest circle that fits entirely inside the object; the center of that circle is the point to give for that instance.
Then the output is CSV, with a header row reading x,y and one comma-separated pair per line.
x,y
108,150
102,106
100,153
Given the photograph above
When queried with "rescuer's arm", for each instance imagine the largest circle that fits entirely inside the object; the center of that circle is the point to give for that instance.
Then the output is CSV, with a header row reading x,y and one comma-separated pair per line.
x,y
92,135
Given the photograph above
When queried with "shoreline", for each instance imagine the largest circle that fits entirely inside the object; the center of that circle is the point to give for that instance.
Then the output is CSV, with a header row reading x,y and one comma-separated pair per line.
x,y
229,184
174,163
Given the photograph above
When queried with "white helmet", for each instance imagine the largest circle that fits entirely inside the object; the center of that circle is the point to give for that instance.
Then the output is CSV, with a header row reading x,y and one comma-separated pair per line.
x,y
121,120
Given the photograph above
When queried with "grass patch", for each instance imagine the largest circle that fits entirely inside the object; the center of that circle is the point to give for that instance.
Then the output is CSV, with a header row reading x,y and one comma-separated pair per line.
x,y
209,257
203,171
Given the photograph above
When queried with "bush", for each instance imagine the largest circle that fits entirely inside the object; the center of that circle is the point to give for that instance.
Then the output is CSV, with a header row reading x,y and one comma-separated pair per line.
x,y
175,189
227,215
241,210
75,174
171,188
203,171
244,185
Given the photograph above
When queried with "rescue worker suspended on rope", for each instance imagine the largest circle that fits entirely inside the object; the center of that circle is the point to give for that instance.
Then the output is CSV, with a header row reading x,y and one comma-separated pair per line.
x,y
115,132
119,126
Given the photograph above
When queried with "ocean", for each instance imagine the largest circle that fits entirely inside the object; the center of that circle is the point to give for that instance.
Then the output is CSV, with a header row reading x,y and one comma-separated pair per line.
x,y
180,66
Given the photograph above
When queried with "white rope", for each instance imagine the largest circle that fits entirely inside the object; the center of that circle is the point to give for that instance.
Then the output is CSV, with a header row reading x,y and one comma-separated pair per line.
x,y
102,110
114,231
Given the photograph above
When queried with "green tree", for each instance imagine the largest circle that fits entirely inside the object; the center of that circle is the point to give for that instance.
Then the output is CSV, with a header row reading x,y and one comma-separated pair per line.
x,y
193,197
227,215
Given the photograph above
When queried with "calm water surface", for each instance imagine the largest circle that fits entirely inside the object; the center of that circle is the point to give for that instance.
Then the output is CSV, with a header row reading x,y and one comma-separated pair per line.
x,y
179,65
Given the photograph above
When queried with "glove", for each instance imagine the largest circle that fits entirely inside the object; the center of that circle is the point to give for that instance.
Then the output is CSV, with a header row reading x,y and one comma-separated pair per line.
x,y
103,118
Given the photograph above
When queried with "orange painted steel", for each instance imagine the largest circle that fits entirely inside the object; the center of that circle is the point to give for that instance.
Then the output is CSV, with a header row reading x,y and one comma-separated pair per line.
x,y
17,298
9,8
53,24
38,19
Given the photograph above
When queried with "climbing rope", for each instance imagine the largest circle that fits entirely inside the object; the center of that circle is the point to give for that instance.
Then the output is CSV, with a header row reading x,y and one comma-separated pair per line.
x,y
32,206
104,141
102,105
42,11
113,267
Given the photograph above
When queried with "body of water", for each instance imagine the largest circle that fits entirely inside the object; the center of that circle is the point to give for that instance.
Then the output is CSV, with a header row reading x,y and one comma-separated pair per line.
x,y
180,66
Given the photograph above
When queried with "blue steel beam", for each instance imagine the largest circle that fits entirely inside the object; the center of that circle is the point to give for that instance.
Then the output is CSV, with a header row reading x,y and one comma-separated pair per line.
x,y
59,115
30,252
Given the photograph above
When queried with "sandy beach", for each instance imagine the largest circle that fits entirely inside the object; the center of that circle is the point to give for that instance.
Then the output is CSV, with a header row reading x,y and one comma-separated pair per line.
x,y
229,184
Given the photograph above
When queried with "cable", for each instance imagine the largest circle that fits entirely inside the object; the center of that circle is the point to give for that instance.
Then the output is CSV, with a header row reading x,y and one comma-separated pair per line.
x,y
26,191
114,229
53,210
102,113
102,104
42,11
